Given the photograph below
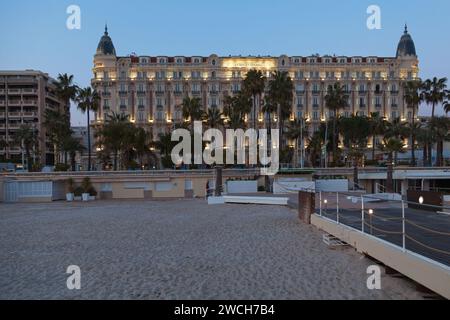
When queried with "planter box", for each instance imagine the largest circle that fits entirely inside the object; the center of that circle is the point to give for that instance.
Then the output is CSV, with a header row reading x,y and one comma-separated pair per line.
x,y
85,197
69,197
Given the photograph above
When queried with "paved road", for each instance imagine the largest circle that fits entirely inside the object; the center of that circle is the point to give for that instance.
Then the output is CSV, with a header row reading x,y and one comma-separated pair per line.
x,y
388,217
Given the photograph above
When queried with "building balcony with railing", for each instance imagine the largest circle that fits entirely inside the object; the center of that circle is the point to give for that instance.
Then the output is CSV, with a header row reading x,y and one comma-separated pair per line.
x,y
123,92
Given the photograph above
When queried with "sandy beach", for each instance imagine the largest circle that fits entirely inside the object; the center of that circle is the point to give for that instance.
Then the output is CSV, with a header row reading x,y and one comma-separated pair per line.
x,y
177,250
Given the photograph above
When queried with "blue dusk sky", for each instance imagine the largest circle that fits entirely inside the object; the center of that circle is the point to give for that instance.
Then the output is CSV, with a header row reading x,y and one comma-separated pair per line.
x,y
35,36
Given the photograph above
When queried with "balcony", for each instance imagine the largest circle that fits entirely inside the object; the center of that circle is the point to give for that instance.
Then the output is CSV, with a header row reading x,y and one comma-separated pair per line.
x,y
300,106
14,126
362,91
315,106
2,126
29,91
394,105
196,92
30,102
362,106
2,91
106,94
141,93
123,93
29,114
2,102
14,91
2,114
213,92
394,91
159,92
14,114
178,92
300,91
378,106
14,102
379,92
315,92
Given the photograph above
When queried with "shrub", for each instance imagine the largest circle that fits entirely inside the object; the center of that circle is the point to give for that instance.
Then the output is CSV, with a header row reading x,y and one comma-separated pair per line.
x,y
61,167
87,187
71,185
78,191
261,188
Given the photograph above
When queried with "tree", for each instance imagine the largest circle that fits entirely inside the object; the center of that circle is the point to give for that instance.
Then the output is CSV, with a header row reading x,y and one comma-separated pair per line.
x,y
391,147
57,127
88,100
253,85
335,100
355,131
66,91
280,95
425,139
315,148
71,146
213,118
413,97
165,146
26,138
440,127
377,125
235,109
192,110
298,131
113,136
435,92
142,145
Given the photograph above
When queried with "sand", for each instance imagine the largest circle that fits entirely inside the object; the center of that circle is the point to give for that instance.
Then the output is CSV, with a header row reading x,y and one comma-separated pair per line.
x,y
177,250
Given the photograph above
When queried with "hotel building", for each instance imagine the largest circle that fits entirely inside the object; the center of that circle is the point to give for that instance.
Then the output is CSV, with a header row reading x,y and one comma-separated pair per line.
x,y
24,98
151,88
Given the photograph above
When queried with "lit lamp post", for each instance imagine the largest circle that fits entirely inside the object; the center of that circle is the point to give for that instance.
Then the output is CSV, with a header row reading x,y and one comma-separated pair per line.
x,y
370,220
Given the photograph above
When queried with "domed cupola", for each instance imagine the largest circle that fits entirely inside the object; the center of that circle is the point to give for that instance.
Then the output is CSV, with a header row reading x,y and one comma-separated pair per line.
x,y
406,45
106,46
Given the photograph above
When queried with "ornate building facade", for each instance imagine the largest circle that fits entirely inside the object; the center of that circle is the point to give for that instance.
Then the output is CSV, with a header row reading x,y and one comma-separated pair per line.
x,y
151,88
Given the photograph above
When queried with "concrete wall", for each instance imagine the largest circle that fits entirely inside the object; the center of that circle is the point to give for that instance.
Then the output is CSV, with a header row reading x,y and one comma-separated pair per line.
x,y
242,186
335,185
434,276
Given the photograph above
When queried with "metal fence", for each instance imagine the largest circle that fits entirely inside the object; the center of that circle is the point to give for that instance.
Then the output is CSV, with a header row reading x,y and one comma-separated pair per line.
x,y
423,230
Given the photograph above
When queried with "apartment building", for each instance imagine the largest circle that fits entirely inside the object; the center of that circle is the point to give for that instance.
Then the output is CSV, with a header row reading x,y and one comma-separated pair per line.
x,y
151,88
24,97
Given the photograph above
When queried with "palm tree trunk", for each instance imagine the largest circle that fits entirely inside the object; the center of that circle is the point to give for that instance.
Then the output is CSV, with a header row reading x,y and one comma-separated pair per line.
x,y
115,160
389,180
373,147
334,140
89,139
425,154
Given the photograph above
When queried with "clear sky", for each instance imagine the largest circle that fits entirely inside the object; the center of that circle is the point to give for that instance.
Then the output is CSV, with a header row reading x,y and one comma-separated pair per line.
x,y
34,33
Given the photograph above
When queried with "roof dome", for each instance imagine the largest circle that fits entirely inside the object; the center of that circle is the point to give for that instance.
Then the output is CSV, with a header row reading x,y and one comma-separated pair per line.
x,y
106,45
406,45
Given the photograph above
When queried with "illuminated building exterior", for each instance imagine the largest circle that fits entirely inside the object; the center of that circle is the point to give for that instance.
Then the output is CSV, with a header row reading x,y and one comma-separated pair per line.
x,y
151,88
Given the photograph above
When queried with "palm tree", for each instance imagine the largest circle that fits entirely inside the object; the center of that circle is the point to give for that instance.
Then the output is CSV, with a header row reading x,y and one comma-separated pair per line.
x,y
391,147
235,109
355,131
165,146
280,95
314,148
440,127
396,128
213,117
377,128
26,138
113,136
3,145
192,110
335,100
57,127
142,145
413,97
71,146
435,92
88,100
298,131
66,91
425,139
253,85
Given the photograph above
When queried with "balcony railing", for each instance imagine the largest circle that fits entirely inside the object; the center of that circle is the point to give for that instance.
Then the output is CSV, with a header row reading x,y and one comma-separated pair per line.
x,y
300,91
196,91
378,106
106,94
141,92
315,106
362,91
362,106
394,105
14,102
379,92
29,91
29,114
14,114
14,91
394,91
